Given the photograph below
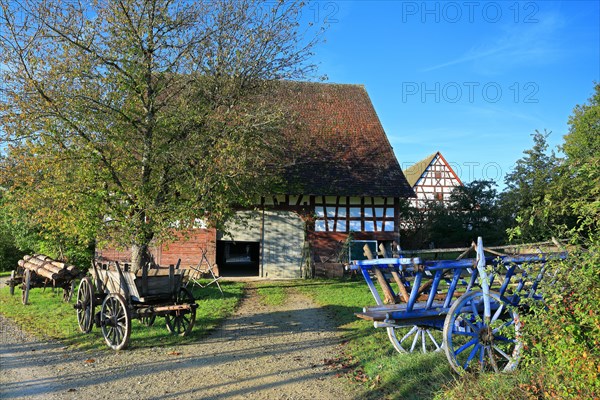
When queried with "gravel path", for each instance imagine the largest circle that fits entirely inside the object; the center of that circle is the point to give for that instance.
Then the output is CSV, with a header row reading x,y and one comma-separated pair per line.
x,y
259,353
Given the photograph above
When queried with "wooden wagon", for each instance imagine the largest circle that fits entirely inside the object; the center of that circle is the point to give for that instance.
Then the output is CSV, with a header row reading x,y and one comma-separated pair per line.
x,y
469,308
123,296
40,271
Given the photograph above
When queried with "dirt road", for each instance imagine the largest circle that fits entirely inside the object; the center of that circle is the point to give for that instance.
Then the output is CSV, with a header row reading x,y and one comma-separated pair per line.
x,y
259,353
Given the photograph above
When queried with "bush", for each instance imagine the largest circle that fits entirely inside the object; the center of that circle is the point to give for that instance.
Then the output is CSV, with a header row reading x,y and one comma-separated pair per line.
x,y
563,333
9,253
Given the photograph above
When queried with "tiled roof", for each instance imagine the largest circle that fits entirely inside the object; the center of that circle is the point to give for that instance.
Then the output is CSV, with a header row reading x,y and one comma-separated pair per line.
x,y
415,171
337,145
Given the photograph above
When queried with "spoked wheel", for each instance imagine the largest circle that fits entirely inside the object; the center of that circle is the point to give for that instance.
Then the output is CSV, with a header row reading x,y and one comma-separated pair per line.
x,y
68,292
181,322
472,343
11,285
115,320
148,321
85,305
415,338
26,286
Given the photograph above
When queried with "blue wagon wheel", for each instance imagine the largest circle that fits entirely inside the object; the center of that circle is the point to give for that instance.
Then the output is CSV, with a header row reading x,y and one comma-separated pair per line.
x,y
415,338
115,320
471,343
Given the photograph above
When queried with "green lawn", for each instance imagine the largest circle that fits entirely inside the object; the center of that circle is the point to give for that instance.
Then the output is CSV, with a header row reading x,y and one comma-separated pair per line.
x,y
271,293
47,315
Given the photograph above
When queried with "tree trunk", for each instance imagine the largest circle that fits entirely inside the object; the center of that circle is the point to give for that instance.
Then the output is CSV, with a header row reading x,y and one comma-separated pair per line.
x,y
140,255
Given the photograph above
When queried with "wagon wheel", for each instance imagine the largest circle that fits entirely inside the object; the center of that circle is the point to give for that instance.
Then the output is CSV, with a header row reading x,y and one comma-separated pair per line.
x,y
148,321
470,342
415,338
181,322
115,320
11,285
85,305
68,292
26,286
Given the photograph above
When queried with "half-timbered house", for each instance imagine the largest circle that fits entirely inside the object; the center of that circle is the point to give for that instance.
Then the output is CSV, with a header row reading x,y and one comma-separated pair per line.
x,y
432,179
342,178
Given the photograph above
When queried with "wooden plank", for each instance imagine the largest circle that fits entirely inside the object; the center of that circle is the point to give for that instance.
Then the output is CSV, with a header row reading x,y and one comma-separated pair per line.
x,y
401,288
388,293
174,307
372,316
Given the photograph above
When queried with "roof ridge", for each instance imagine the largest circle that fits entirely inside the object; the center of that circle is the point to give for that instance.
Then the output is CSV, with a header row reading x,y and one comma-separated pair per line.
x,y
415,171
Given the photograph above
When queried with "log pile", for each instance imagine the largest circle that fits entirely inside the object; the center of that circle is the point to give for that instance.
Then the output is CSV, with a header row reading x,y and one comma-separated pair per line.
x,y
48,268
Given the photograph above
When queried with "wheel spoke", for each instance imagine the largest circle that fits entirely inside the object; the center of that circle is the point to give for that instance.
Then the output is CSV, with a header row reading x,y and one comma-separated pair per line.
x,y
474,308
437,346
470,324
471,356
481,356
503,339
504,325
497,313
414,343
492,359
502,353
465,346
414,328
471,334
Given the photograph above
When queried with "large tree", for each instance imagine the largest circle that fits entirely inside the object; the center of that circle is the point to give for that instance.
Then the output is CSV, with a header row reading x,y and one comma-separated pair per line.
x,y
122,119
524,199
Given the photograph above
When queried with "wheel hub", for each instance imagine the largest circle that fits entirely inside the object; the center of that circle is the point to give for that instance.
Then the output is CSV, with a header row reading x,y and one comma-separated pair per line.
x,y
486,336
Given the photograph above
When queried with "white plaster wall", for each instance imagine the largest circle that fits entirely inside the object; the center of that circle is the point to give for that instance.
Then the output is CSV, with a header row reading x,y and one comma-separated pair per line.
x,y
284,241
248,229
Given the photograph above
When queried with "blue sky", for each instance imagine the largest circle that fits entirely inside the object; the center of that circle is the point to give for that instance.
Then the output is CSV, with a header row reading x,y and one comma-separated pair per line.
x,y
472,79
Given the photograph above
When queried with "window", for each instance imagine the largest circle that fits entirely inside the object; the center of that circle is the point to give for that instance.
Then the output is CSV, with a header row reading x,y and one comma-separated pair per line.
x,y
361,216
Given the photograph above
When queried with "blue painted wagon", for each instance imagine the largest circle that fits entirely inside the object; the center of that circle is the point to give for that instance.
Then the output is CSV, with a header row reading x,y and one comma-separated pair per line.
x,y
123,295
469,307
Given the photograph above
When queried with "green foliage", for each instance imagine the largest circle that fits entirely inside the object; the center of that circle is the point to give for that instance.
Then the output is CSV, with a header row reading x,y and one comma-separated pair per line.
x,y
524,202
472,211
124,120
548,196
563,333
9,251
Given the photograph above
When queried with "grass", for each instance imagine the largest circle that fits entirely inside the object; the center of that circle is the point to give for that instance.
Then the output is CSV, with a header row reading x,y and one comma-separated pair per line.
x,y
390,375
48,316
385,372
271,293
4,273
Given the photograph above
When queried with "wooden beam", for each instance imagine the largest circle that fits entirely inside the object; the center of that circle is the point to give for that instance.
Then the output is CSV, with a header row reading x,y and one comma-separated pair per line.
x,y
401,288
388,293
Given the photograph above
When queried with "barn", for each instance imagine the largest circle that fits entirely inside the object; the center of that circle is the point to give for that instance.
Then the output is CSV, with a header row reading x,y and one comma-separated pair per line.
x,y
343,186
432,179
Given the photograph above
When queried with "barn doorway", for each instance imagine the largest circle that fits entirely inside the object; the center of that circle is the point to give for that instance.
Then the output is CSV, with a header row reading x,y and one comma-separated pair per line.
x,y
238,258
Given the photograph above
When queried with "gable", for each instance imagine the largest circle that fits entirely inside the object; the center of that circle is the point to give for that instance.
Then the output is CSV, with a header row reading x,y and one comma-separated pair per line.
x,y
433,178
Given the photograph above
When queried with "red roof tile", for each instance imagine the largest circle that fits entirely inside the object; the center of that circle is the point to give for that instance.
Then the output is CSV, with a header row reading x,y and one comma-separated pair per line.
x,y
337,145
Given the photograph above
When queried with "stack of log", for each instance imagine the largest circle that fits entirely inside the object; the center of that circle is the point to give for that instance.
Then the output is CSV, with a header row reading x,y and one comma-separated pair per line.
x,y
48,268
